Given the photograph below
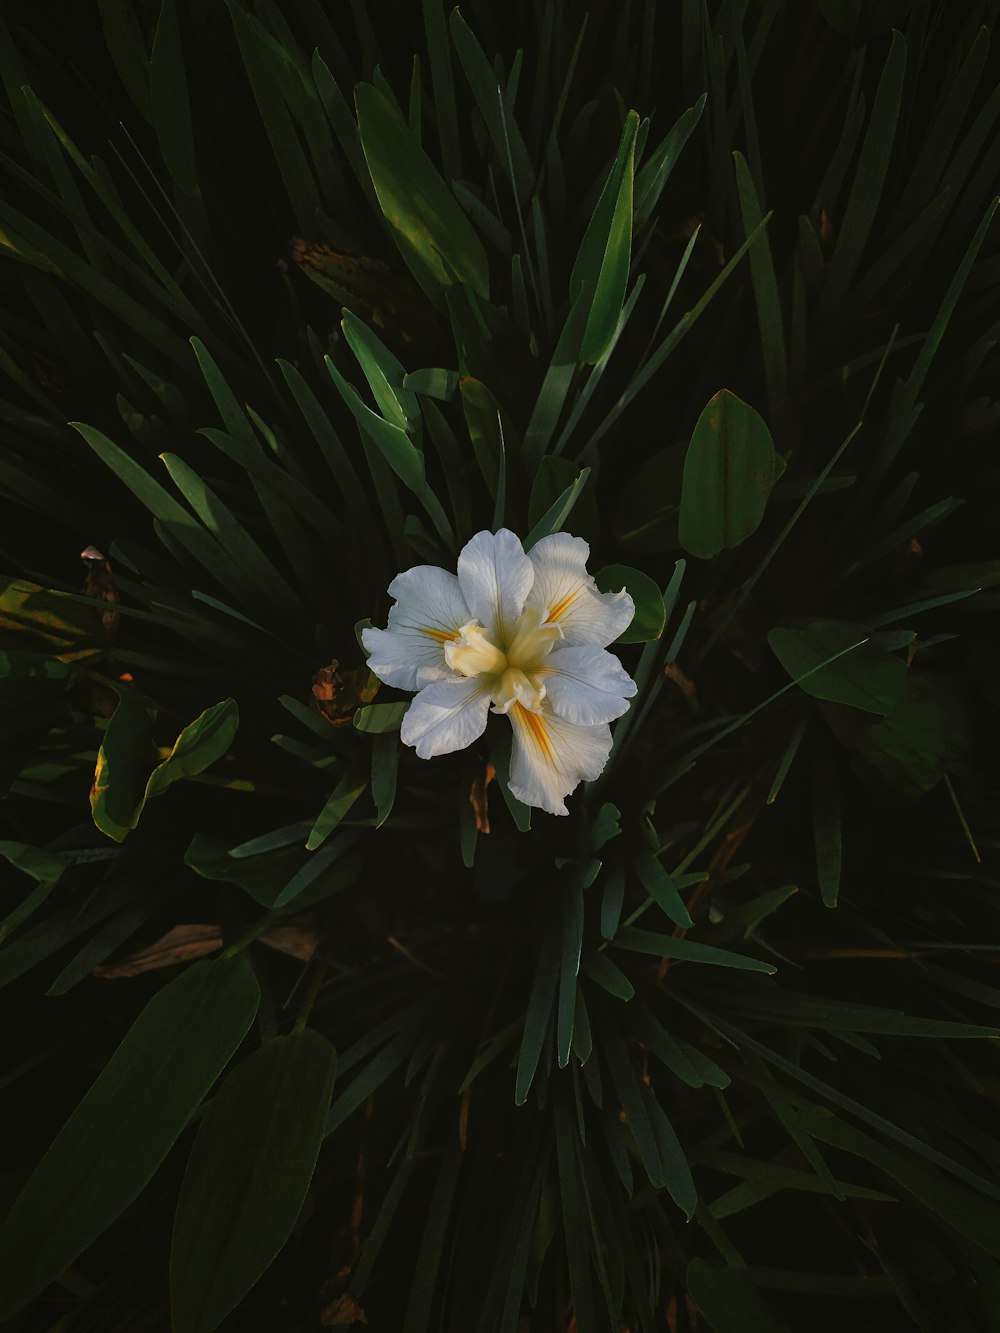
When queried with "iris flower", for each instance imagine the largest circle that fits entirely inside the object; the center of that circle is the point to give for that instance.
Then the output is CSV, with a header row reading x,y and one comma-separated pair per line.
x,y
526,633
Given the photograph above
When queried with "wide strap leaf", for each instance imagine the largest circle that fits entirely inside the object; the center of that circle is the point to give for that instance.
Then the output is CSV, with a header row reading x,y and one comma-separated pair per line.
x,y
107,1151
433,234
247,1176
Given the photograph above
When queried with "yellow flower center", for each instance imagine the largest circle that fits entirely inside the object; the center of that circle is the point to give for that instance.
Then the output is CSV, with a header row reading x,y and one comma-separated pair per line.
x,y
514,665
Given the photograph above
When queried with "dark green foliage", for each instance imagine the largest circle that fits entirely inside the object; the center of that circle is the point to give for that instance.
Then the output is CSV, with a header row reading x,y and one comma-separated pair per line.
x,y
323,290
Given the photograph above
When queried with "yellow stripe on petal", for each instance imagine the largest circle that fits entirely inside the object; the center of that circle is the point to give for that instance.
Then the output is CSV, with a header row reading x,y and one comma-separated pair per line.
x,y
442,636
535,731
564,603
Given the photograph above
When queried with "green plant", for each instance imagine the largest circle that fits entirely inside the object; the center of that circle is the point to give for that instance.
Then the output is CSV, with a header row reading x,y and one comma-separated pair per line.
x,y
319,309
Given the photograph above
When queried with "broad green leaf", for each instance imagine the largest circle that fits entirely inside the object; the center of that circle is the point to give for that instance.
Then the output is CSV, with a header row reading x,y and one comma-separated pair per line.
x,y
108,1150
538,1014
199,745
123,782
338,806
867,677
34,861
433,234
558,512
247,1176
494,105
602,266
661,888
975,1218
397,448
380,718
266,875
384,373
730,468
127,48
655,173
765,288
650,613
124,762
385,770
599,967
482,417
170,108
433,382
728,1300
550,481
649,505
869,179
928,734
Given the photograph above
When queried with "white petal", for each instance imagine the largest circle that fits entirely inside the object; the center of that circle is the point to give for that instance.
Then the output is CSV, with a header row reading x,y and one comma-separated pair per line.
x,y
586,685
570,596
496,577
428,612
446,716
552,757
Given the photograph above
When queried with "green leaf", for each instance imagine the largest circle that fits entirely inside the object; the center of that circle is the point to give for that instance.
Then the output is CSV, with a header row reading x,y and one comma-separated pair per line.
x,y
267,876
649,504
493,106
661,888
602,265
247,1176
538,1015
433,234
170,108
433,382
599,967
108,1150
385,769
728,1299
667,946
338,806
569,968
482,417
650,612
384,373
377,719
869,179
123,766
865,677
729,470
122,781
765,289
557,513
655,173
927,735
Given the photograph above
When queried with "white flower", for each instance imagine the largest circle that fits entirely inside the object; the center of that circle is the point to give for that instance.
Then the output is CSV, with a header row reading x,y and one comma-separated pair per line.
x,y
526,633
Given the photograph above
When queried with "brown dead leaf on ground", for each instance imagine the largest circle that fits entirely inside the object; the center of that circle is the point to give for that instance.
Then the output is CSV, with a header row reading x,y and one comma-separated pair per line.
x,y
185,943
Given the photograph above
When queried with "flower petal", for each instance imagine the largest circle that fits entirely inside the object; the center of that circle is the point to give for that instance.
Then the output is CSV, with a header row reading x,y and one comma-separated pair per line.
x,y
445,716
428,612
552,757
571,597
496,577
586,685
